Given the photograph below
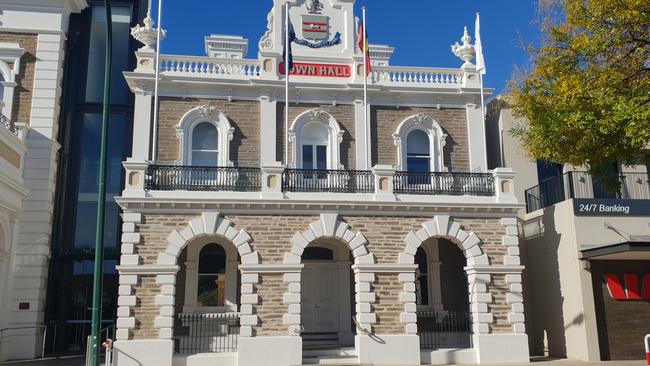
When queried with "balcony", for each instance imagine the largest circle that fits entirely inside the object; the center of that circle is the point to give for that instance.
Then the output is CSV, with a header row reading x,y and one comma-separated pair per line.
x,y
8,124
240,179
579,184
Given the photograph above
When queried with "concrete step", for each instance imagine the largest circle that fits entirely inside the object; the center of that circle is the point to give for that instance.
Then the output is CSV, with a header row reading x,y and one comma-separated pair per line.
x,y
331,360
328,352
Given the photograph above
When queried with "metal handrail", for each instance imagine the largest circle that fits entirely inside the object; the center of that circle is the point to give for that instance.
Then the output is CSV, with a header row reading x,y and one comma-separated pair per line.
x,y
358,326
89,345
44,327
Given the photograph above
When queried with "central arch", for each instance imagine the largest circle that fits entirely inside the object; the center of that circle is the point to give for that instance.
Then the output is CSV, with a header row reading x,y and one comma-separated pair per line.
x,y
331,233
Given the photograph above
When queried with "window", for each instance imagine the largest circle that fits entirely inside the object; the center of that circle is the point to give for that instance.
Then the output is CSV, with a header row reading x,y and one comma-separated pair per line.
x,y
420,145
205,145
211,288
315,139
205,134
10,54
314,146
418,156
421,278
318,254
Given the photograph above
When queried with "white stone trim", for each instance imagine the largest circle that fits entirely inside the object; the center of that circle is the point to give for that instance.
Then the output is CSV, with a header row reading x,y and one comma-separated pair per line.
x,y
335,137
9,53
437,140
130,273
442,226
330,226
205,113
513,277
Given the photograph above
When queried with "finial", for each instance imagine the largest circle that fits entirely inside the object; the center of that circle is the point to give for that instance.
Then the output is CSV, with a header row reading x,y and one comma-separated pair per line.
x,y
465,51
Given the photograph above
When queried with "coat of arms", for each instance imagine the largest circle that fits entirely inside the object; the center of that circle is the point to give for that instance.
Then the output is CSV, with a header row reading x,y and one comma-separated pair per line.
x,y
315,27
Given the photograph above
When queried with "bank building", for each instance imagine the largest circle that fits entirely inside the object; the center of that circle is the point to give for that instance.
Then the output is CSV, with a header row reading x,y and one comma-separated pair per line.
x,y
358,233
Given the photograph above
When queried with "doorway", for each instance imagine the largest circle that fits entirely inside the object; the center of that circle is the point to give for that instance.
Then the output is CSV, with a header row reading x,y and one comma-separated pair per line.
x,y
326,296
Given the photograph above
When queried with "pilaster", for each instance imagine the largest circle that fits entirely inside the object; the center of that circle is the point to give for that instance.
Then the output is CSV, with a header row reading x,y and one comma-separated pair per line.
x,y
476,138
362,133
268,129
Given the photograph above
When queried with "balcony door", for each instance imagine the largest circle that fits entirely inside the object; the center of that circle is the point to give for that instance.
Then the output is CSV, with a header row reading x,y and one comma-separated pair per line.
x,y
314,156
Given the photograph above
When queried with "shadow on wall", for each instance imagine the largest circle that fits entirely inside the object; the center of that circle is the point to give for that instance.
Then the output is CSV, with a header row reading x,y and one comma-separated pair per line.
x,y
544,315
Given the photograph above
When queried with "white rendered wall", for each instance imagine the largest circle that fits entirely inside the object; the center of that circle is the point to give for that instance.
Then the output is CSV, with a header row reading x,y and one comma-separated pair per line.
x,y
49,21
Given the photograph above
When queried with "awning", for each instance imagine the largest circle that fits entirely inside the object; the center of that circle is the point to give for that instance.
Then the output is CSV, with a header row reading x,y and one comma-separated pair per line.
x,y
620,251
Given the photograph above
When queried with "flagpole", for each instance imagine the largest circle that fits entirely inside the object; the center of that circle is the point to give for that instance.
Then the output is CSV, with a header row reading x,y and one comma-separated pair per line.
x,y
365,76
286,84
154,147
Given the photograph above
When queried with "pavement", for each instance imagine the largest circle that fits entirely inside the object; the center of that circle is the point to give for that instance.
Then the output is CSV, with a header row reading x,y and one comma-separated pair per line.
x,y
79,361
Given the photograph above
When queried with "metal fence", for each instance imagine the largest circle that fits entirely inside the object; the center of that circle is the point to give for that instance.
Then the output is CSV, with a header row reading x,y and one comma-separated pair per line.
x,y
444,329
580,184
456,184
197,178
8,124
207,333
340,181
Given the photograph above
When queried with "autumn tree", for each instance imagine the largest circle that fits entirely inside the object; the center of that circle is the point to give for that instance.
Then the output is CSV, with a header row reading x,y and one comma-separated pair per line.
x,y
586,99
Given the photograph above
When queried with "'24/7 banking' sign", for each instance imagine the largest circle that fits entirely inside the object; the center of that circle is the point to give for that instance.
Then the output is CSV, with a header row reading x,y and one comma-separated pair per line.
x,y
611,207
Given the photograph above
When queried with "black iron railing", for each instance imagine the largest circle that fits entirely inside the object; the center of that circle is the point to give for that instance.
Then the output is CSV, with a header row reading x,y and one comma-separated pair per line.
x,y
8,124
579,184
206,333
432,183
445,329
342,181
196,178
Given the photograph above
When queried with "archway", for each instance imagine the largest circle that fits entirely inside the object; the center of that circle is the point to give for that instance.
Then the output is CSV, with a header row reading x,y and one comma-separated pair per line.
x,y
327,249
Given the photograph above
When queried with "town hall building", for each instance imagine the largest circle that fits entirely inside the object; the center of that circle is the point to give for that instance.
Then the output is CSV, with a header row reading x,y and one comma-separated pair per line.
x,y
356,233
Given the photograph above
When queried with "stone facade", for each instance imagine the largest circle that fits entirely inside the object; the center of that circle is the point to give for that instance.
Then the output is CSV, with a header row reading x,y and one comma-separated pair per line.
x,y
244,116
22,104
272,238
453,121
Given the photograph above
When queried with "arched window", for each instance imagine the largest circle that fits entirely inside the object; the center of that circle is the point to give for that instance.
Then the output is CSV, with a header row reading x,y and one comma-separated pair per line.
x,y
420,145
205,134
421,277
418,152
314,140
205,145
211,276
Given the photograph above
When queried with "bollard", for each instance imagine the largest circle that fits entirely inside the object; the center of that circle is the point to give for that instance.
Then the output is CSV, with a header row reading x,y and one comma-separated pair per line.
x,y
647,348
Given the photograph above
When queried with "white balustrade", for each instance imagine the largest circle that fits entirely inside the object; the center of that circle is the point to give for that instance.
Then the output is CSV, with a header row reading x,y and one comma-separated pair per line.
x,y
425,76
210,67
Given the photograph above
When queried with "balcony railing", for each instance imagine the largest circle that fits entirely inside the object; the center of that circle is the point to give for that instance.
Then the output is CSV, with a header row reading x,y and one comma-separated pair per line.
x,y
579,184
8,124
444,329
206,333
209,67
455,184
416,76
339,181
196,178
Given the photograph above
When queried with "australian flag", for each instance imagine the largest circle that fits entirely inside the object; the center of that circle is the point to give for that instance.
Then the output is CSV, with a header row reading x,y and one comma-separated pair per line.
x,y
287,43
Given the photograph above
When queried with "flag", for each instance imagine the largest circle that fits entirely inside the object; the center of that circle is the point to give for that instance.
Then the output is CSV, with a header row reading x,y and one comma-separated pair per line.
x,y
480,62
363,35
290,36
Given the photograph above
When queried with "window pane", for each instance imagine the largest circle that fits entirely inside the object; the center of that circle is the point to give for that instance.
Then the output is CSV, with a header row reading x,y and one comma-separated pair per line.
x,y
205,137
417,143
212,259
211,290
321,157
417,165
307,156
97,55
317,254
88,165
203,158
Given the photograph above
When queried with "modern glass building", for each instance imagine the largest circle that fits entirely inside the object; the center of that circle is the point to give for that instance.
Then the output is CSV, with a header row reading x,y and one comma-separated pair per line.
x,y
73,238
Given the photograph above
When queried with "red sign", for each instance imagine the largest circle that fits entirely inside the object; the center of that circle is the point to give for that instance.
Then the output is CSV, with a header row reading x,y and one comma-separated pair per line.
x,y
318,70
630,289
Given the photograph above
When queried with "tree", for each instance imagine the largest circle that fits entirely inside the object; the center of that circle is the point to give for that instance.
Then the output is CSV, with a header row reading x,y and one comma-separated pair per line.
x,y
587,99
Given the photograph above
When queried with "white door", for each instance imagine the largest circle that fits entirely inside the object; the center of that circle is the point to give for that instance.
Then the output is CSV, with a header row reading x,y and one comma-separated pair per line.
x,y
320,310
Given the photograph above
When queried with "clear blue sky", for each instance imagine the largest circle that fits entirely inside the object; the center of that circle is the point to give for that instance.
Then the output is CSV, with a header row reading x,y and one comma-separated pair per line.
x,y
422,31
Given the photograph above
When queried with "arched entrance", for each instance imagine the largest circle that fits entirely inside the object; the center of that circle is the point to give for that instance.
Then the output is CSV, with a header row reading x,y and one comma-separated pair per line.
x,y
326,307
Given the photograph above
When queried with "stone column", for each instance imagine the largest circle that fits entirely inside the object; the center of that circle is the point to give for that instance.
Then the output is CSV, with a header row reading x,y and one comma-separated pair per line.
x,y
362,133
268,130
384,179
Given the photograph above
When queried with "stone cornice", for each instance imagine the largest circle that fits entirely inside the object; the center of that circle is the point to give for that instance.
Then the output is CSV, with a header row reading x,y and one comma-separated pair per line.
x,y
354,206
148,270
271,268
494,269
